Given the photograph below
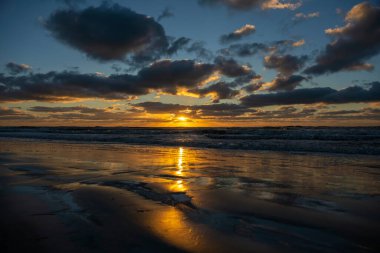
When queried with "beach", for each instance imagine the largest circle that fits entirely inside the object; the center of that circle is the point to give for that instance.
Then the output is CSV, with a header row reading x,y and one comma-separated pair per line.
x,y
70,196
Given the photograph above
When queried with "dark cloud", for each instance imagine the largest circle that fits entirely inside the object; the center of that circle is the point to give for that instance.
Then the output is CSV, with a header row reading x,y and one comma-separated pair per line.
x,y
353,43
285,83
177,45
15,68
116,67
238,34
365,114
220,90
72,3
284,112
107,32
244,49
166,13
244,5
197,111
55,86
63,109
229,67
160,108
354,94
221,110
167,75
163,75
250,49
14,114
198,48
285,64
81,113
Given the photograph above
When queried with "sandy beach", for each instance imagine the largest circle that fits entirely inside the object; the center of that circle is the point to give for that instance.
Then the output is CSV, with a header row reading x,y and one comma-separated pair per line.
x,y
81,197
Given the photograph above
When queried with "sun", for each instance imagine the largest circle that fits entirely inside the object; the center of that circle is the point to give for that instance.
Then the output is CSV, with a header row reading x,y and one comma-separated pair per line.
x,y
181,118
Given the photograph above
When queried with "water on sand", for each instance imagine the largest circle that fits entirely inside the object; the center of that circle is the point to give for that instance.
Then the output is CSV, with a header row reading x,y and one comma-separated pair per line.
x,y
115,197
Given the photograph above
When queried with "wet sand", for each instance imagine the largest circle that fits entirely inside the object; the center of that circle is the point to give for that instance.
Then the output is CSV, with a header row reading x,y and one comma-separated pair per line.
x,y
80,197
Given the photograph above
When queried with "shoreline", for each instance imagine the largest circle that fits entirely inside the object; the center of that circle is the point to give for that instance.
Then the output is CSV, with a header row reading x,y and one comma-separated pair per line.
x,y
96,198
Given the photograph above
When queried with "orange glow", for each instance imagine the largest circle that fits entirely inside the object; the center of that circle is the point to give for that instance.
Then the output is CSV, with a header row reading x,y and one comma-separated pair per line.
x,y
181,118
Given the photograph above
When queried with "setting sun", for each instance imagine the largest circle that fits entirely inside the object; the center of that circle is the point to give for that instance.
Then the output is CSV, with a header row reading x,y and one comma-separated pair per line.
x,y
182,118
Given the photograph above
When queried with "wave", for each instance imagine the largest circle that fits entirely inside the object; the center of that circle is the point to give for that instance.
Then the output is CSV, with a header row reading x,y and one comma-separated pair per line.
x,y
347,140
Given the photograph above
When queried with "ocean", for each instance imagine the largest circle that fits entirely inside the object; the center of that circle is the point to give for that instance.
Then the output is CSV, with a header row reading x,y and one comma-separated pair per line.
x,y
293,189
344,140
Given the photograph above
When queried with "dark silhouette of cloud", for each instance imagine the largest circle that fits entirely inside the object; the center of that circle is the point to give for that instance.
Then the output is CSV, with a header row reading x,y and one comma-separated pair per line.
x,y
107,32
166,13
15,68
238,34
354,94
285,83
353,43
220,90
14,114
196,111
81,113
285,64
166,75
244,5
250,49
229,67
198,48
178,44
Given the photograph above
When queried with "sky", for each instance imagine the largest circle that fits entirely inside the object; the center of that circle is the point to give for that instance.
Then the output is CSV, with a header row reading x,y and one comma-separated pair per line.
x,y
190,63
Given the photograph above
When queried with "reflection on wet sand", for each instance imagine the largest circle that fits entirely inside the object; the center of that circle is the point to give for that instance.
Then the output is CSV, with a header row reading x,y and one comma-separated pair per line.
x,y
204,200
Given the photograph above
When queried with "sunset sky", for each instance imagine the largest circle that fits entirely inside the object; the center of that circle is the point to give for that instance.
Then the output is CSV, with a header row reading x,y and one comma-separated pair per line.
x,y
189,62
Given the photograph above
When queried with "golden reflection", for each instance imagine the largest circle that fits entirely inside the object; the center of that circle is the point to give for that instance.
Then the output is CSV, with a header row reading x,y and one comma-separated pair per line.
x,y
171,226
180,162
178,185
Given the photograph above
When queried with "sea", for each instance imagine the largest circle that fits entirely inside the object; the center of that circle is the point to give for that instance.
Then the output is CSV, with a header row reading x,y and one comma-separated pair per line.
x,y
339,140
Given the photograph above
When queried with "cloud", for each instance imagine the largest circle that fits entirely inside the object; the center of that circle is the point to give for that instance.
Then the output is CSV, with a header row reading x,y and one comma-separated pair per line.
x,y
365,114
279,4
166,13
284,83
298,43
238,34
229,67
63,109
200,50
244,5
354,94
15,68
244,49
302,16
284,112
353,43
220,90
14,114
285,64
165,75
72,3
250,49
177,45
160,108
82,113
196,111
107,32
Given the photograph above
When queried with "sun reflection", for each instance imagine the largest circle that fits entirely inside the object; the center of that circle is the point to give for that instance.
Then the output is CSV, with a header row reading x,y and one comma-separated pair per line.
x,y
171,226
180,162
179,186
